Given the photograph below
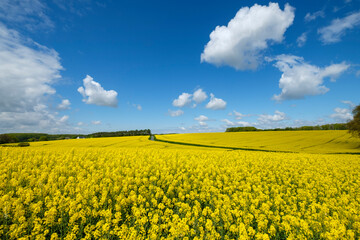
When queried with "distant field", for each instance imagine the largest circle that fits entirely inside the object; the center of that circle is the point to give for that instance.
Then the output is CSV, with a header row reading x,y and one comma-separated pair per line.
x,y
110,142
332,141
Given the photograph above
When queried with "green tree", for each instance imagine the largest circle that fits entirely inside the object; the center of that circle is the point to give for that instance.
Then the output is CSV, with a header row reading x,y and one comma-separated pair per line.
x,y
354,125
5,138
43,138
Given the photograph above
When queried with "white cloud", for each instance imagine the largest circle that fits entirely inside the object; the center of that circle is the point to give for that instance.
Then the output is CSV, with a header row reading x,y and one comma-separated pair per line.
x,y
96,122
312,16
176,113
202,123
30,14
342,114
65,104
27,71
216,103
277,117
228,122
40,120
244,124
93,93
338,27
201,118
238,115
64,118
183,100
80,123
199,96
241,42
301,40
350,103
300,78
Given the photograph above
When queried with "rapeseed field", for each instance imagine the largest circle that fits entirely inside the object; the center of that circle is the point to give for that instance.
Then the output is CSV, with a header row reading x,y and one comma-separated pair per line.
x,y
151,193
321,141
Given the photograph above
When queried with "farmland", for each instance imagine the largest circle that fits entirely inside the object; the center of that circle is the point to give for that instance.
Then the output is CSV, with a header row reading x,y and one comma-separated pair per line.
x,y
133,188
331,141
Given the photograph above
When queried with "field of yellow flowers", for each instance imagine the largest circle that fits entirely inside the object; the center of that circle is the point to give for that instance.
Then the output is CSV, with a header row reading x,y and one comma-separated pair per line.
x,y
151,193
321,141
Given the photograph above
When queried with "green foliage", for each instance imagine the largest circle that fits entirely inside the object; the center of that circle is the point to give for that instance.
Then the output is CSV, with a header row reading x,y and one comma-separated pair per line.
x,y
354,125
24,144
6,138
32,137
335,126
43,138
121,133
241,129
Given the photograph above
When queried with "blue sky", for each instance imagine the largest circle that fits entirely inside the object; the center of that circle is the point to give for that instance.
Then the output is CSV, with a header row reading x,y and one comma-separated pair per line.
x,y
176,66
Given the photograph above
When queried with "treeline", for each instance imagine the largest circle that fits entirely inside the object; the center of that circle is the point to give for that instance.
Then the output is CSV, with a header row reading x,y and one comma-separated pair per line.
x,y
32,137
121,133
335,126
242,129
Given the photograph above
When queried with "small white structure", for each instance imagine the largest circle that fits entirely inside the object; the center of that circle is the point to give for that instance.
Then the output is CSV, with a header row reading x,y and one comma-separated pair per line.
x,y
79,137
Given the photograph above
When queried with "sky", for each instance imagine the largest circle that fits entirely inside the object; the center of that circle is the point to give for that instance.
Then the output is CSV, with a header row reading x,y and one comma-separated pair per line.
x,y
86,66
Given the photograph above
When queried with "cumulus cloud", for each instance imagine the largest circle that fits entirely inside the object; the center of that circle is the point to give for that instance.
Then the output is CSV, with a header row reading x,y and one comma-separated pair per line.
x,y
176,113
201,118
241,42
80,123
39,119
96,122
183,100
216,103
93,93
199,96
27,72
301,40
65,104
342,114
338,27
266,118
300,78
312,16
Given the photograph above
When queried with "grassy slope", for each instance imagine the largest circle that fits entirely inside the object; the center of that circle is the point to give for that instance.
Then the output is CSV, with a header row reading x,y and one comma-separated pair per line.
x,y
297,141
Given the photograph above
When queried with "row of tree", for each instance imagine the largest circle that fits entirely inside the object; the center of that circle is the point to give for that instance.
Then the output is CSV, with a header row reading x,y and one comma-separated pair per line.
x,y
122,133
32,137
335,126
353,126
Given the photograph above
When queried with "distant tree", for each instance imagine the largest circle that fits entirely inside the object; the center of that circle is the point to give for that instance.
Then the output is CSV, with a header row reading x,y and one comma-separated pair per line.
x,y
5,138
43,138
354,125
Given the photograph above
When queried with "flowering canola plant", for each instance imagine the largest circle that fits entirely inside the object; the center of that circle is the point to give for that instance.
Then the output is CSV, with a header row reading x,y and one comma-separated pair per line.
x,y
315,141
143,193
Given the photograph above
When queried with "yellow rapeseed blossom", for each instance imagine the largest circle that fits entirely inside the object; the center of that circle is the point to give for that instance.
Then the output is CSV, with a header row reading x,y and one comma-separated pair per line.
x,y
152,193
